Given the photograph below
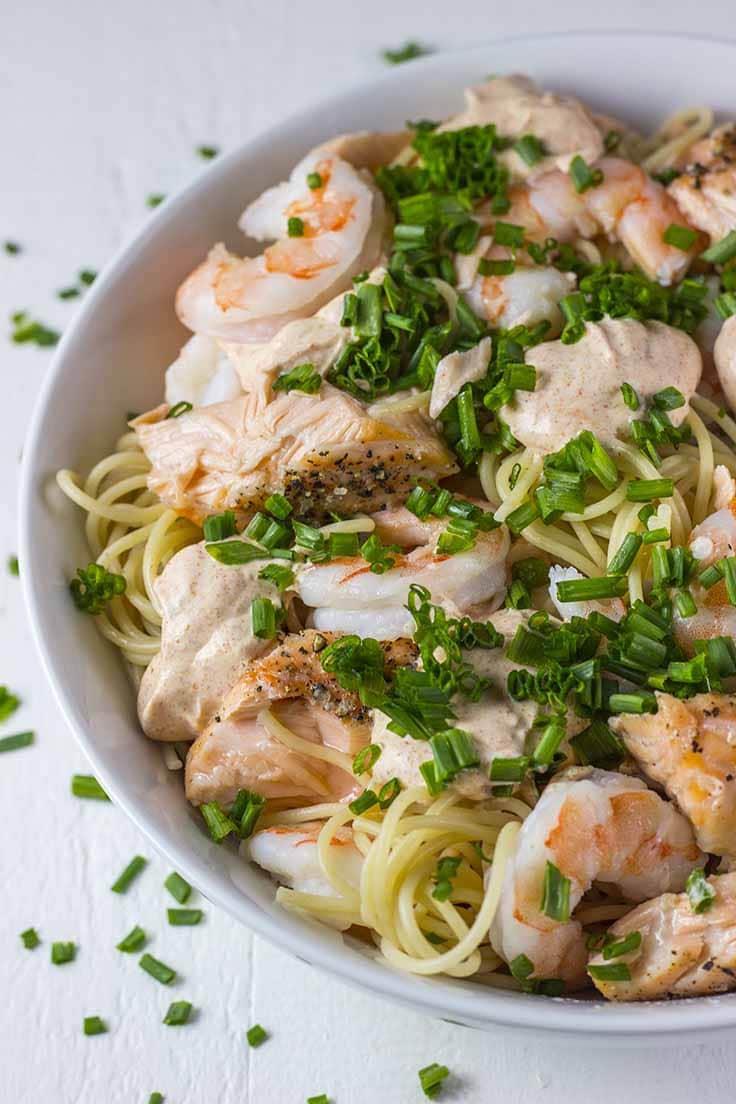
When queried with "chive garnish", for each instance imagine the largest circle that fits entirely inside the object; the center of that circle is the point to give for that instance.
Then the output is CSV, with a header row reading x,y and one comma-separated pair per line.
x,y
681,237
62,953
555,894
68,293
12,248
529,148
85,785
612,971
321,1099
629,943
30,939
94,587
184,918
584,590
131,872
13,566
314,180
700,892
295,227
156,1098
263,618
582,176
304,377
158,970
133,941
179,408
721,251
431,1078
366,759
256,1035
218,822
207,153
16,741
408,52
630,396
155,199
178,1013
179,889
93,1025
28,331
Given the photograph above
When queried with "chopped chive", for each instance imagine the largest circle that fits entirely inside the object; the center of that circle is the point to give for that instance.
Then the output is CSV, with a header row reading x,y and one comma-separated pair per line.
x,y
555,894
279,506
388,792
256,1035
12,248
582,176
303,377
496,268
158,970
685,604
68,293
721,251
529,149
133,941
710,576
366,759
179,408
681,237
13,566
728,570
655,536
640,702
363,803
314,180
669,398
509,769
156,1098
295,227
281,577
155,199
612,971
552,736
184,918
321,1099
644,490
583,590
62,953
700,892
30,939
218,822
16,741
263,618
178,1013
431,1078
87,276
93,1025
507,233
178,888
598,746
631,942
245,812
408,52
625,554
207,153
630,396
522,516
131,872
219,527
85,785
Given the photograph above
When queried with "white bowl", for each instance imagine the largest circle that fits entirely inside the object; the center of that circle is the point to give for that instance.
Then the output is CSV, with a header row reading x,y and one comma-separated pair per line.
x,y
112,360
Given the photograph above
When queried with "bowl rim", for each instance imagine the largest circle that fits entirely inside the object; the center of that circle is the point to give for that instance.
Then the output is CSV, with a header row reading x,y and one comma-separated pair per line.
x,y
437,996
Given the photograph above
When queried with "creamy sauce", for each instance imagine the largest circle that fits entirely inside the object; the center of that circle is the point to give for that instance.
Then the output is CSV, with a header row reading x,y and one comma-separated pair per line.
x,y
517,106
579,386
499,726
207,641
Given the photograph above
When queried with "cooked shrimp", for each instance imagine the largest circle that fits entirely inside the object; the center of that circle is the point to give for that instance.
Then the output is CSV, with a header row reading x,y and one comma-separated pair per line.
x,y
322,450
202,374
578,386
290,854
690,748
346,596
710,541
341,225
724,356
706,190
264,732
527,296
628,206
611,607
682,953
593,826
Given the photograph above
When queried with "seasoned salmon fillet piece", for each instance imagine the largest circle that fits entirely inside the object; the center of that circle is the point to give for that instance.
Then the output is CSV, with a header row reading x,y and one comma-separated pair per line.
x,y
325,452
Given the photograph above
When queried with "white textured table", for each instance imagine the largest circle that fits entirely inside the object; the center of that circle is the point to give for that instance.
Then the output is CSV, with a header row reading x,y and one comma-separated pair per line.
x,y
101,105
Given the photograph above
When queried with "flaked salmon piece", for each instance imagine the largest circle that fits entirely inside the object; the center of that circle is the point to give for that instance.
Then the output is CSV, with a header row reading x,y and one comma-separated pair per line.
x,y
706,189
323,451
239,751
690,747
682,953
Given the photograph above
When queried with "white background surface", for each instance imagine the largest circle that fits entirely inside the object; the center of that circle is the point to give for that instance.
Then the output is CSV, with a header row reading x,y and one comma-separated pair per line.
x,y
100,105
